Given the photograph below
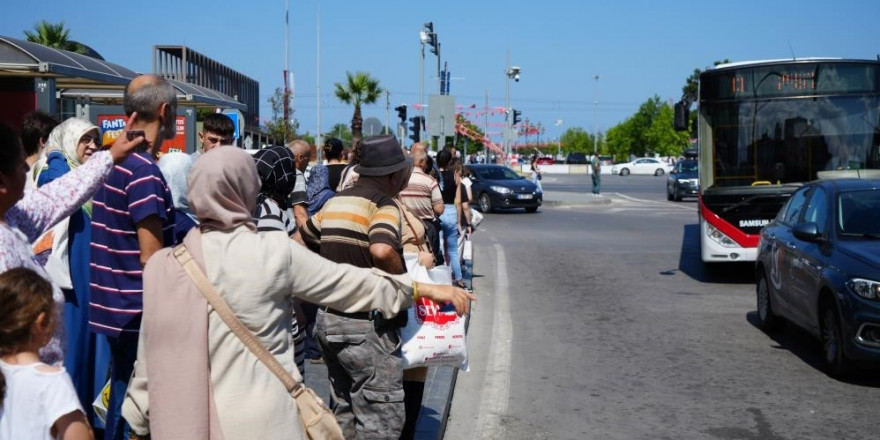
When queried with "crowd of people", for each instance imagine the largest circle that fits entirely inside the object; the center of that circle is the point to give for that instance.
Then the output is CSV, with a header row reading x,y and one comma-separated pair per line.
x,y
97,307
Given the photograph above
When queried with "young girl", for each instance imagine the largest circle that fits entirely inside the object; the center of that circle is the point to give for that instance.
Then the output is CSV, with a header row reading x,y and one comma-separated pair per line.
x,y
39,401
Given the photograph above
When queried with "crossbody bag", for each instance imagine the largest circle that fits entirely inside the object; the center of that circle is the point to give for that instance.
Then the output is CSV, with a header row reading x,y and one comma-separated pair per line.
x,y
318,421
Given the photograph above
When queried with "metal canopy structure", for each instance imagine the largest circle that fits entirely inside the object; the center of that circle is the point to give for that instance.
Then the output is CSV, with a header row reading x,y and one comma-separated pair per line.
x,y
77,75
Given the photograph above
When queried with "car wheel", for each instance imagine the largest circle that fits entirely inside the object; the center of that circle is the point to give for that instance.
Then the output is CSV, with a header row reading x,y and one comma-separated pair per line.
x,y
532,209
485,203
669,194
836,363
659,172
624,171
675,195
767,321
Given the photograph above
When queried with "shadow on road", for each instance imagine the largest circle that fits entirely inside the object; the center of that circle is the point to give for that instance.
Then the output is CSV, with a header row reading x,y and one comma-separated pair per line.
x,y
803,345
691,264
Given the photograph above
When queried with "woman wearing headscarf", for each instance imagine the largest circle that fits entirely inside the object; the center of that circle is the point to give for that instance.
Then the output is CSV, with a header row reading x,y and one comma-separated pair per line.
x,y
175,169
87,359
193,377
318,188
277,172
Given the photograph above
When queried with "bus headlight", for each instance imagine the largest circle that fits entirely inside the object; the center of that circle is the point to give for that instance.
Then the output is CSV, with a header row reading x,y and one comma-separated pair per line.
x,y
719,237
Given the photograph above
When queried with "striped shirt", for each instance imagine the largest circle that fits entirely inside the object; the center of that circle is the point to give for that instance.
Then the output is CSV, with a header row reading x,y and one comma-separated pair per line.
x,y
421,194
270,217
350,222
134,191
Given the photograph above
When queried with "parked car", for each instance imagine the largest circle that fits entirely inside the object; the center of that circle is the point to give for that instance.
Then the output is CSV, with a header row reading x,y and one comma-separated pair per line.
x,y
577,159
642,165
818,267
546,160
683,180
499,187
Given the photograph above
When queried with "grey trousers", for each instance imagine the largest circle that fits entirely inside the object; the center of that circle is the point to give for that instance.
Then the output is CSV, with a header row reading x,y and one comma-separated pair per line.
x,y
366,375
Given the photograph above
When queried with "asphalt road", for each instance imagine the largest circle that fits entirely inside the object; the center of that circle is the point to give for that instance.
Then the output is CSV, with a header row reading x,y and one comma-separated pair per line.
x,y
600,322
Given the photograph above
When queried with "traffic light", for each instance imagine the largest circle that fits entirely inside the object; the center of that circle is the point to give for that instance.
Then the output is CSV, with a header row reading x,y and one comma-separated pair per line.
x,y
401,113
515,119
416,128
429,37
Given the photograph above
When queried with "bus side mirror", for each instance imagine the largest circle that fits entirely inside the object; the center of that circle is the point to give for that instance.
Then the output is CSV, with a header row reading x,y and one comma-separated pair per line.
x,y
682,115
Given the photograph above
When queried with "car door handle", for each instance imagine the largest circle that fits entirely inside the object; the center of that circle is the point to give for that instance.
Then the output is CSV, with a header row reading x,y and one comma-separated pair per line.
x,y
791,245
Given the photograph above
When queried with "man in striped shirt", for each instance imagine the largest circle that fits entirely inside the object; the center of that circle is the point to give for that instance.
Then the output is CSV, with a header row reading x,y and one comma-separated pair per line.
x,y
132,219
422,197
361,226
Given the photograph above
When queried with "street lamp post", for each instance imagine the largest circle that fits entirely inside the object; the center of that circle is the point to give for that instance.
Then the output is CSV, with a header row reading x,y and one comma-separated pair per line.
x,y
595,104
510,72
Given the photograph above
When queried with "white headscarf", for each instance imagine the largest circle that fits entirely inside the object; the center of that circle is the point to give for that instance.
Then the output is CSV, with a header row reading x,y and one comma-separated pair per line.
x,y
64,138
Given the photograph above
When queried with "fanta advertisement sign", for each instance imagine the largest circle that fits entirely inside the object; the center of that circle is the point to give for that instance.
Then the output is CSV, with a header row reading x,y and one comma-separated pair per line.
x,y
111,127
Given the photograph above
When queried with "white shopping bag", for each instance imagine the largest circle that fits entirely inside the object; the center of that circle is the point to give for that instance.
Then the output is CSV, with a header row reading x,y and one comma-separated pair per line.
x,y
434,333
467,250
476,218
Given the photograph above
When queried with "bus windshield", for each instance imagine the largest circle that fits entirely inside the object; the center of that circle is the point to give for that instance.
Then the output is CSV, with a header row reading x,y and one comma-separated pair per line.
x,y
785,122
787,140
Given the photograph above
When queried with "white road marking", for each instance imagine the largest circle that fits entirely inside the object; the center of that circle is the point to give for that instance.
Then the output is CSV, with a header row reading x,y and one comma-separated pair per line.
x,y
493,403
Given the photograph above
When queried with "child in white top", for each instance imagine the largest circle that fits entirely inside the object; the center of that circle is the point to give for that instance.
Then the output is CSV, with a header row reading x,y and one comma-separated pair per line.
x,y
39,401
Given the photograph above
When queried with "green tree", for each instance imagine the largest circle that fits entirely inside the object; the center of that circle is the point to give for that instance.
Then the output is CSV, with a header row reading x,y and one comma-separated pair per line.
x,y
307,137
342,132
359,88
576,139
277,128
53,35
475,141
649,131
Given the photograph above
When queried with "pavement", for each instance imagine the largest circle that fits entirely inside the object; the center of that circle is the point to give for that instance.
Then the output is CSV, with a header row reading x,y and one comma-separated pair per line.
x,y
440,382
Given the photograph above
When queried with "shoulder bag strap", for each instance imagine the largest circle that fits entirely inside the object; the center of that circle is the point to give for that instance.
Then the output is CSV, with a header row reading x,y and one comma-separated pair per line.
x,y
406,219
181,253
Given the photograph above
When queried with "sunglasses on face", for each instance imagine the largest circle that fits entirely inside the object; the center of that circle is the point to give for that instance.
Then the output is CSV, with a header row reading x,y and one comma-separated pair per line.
x,y
91,140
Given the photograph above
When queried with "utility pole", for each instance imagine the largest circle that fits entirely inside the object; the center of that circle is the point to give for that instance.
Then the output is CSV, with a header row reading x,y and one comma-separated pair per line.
x,y
509,126
286,66
319,138
387,105
486,124
595,104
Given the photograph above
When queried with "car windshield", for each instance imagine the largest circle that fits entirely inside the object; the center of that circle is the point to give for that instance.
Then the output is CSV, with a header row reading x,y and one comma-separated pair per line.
x,y
498,173
859,212
687,166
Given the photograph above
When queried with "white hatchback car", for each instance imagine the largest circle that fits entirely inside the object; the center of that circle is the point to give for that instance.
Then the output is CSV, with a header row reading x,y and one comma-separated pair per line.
x,y
642,165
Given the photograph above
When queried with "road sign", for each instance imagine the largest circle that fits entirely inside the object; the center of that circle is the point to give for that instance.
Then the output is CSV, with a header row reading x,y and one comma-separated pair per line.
x,y
441,116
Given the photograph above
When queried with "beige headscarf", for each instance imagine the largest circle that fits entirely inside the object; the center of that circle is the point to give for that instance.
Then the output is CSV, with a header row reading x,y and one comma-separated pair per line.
x,y
64,138
223,186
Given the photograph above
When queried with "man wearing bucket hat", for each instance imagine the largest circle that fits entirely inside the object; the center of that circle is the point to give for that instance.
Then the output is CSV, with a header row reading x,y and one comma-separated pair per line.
x,y
361,226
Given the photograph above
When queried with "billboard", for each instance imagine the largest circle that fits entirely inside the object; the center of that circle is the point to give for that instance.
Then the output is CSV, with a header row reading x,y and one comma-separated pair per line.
x,y
111,122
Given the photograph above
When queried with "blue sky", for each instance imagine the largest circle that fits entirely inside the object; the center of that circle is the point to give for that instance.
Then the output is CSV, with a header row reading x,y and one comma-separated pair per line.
x,y
638,48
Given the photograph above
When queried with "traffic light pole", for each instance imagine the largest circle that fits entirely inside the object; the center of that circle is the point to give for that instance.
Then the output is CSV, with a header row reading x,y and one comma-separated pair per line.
x,y
509,126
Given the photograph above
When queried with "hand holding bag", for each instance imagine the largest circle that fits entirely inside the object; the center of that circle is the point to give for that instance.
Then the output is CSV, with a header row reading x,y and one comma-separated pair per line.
x,y
318,421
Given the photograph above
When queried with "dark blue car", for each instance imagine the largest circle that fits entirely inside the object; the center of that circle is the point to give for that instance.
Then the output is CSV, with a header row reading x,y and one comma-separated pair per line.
x,y
499,187
818,266
683,180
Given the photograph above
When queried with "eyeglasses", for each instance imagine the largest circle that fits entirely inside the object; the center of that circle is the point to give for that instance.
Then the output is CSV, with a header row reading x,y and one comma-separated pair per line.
x,y
91,140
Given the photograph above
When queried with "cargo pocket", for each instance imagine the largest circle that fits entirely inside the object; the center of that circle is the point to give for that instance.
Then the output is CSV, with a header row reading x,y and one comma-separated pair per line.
x,y
383,396
349,350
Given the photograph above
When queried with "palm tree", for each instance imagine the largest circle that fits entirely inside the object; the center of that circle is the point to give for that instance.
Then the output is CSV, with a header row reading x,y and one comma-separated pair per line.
x,y
360,88
53,35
